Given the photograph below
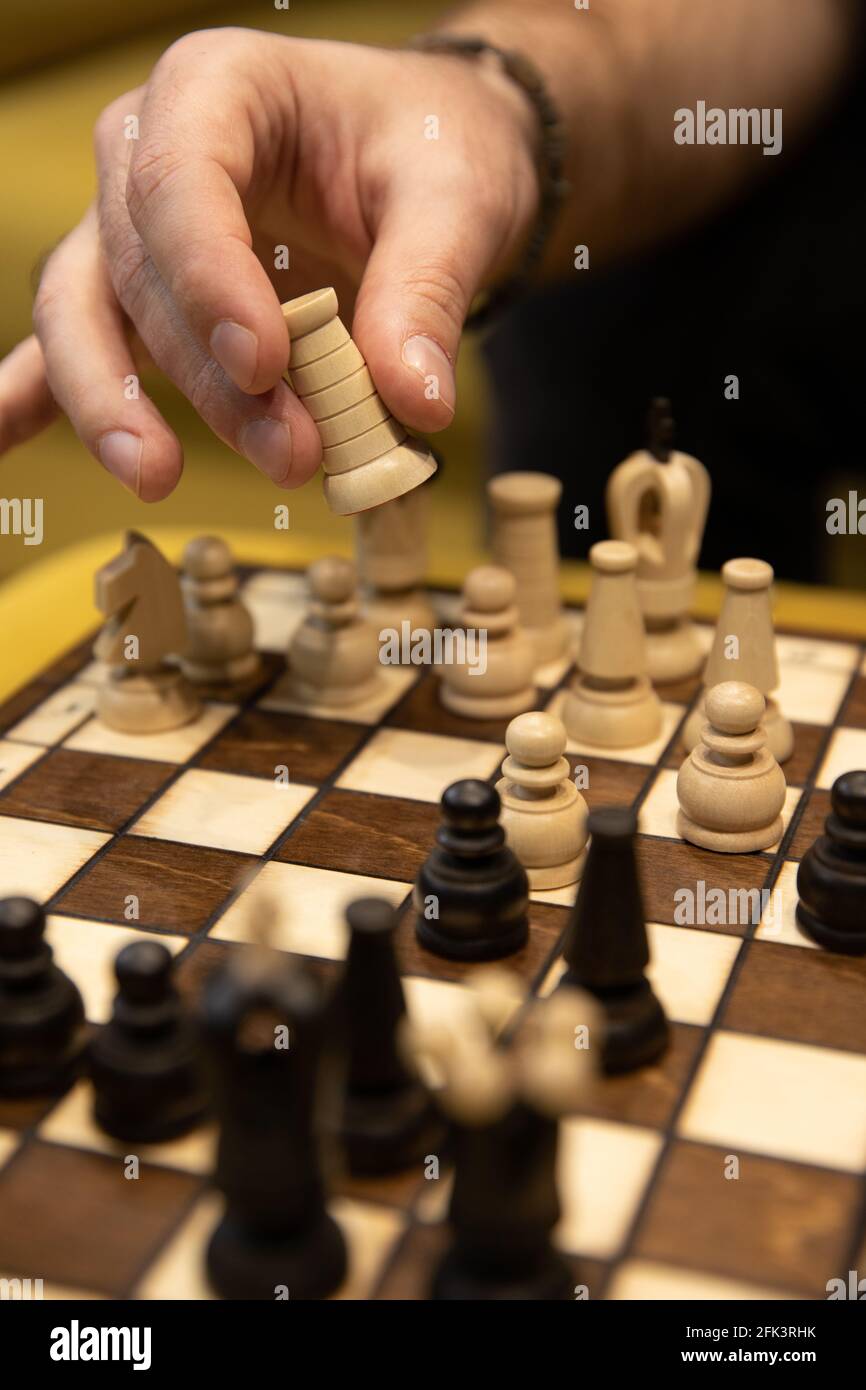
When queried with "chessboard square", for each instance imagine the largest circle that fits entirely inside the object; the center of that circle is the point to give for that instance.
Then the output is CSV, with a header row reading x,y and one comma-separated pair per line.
x,y
165,882
688,970
178,1271
281,586
37,857
173,746
853,712
658,814
396,762
780,993
72,1122
49,722
846,753
816,653
15,758
259,741
392,682
603,1170
785,1099
810,823
811,695
779,918
84,789
224,811
645,753
308,908
361,833
71,1217
721,892
422,710
785,1225
86,950
648,1280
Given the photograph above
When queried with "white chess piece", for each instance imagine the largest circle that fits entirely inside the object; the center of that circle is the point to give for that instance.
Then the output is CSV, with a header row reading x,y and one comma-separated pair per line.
x,y
543,813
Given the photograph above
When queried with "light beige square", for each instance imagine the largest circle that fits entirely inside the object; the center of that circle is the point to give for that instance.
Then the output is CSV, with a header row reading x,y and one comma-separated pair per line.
x,y
397,762
308,907
811,694
779,918
179,1272
36,857
688,970
224,811
15,758
646,1279
392,682
846,753
173,746
785,1099
816,653
645,753
603,1170
86,951
62,711
71,1122
658,814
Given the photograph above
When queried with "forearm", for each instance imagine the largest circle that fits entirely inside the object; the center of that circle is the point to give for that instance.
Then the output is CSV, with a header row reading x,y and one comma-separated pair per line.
x,y
620,70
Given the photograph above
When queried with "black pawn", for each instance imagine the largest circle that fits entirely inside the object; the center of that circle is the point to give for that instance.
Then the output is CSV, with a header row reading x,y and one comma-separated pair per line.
x,y
144,1063
503,1209
472,894
831,880
41,1013
388,1117
606,948
268,1036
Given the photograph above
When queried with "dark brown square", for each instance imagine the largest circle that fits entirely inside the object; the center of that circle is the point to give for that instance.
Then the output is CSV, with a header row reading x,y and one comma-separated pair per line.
x,y
810,825
178,887
608,781
667,866
648,1096
271,665
808,741
21,702
84,789
259,741
423,711
780,1225
807,996
360,833
74,1219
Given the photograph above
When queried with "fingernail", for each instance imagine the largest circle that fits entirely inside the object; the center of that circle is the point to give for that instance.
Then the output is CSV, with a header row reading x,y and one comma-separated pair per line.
x,y
236,349
268,444
120,454
427,359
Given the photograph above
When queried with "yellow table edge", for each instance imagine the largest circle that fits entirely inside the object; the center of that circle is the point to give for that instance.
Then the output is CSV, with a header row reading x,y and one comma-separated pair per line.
x,y
48,607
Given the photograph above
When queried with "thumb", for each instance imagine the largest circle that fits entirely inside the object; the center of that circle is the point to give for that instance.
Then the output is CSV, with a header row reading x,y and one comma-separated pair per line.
x,y
417,288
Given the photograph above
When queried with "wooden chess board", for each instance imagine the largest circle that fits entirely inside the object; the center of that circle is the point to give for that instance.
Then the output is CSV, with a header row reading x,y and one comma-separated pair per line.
x,y
767,1063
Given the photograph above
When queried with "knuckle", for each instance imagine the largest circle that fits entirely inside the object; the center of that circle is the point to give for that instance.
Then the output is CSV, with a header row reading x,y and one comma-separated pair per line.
x,y
202,387
439,283
151,170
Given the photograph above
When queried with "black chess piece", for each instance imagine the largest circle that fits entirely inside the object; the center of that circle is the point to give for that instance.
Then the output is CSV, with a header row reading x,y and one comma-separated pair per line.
x,y
606,948
388,1120
42,1028
471,894
267,1027
145,1062
831,879
504,1206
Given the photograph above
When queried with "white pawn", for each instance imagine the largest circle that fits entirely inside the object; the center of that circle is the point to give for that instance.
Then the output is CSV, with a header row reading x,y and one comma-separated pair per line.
x,y
610,702
334,653
543,813
731,790
495,678
219,646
